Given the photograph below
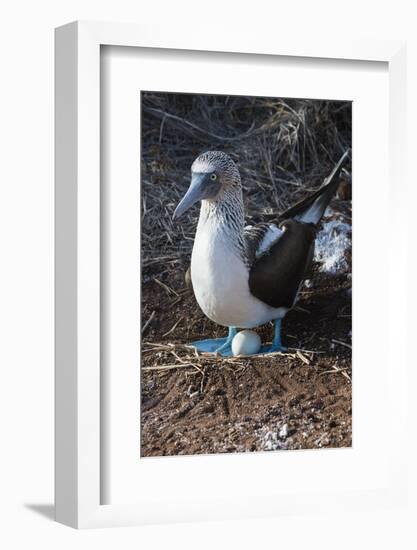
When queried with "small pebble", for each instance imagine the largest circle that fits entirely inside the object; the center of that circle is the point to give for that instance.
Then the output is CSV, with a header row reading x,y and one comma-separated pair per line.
x,y
283,432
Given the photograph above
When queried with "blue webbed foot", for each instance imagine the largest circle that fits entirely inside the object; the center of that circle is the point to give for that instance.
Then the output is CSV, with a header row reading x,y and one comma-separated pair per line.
x,y
272,349
210,345
276,343
222,346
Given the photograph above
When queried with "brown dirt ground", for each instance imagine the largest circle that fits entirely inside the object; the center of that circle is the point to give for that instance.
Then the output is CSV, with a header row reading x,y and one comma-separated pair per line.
x,y
205,404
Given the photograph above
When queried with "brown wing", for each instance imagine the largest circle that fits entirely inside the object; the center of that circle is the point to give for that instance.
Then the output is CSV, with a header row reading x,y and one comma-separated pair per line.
x,y
276,275
312,207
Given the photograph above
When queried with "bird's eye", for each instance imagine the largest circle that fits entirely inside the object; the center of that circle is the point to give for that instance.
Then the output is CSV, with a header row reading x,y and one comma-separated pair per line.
x,y
213,177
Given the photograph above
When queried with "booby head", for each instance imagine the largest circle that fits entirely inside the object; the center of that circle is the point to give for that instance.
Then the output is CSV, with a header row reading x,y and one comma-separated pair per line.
x,y
213,175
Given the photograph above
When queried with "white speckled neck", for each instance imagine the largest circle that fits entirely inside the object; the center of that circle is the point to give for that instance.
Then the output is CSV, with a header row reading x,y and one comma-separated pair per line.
x,y
225,215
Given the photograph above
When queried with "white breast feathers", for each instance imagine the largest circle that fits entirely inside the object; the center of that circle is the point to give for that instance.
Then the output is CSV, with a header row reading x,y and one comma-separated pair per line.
x,y
220,280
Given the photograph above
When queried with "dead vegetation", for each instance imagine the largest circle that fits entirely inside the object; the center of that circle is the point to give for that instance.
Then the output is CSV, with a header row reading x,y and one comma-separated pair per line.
x,y
284,149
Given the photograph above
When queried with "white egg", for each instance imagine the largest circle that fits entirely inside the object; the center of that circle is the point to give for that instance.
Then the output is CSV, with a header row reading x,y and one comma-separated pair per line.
x,y
246,342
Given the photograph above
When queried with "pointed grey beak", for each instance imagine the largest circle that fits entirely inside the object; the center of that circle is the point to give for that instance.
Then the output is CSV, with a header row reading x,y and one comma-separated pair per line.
x,y
197,191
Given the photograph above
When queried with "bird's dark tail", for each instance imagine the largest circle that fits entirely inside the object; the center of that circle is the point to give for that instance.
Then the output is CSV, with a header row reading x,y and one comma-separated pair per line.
x,y
311,209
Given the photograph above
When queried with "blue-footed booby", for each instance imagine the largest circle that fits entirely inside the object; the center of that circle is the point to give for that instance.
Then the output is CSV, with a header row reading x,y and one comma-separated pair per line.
x,y
245,276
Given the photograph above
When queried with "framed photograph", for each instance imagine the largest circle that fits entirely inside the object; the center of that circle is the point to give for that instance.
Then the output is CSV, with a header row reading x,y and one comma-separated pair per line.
x,y
249,391
226,345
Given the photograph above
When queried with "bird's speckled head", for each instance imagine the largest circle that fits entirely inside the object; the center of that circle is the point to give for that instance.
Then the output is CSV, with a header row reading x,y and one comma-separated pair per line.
x,y
214,176
218,163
